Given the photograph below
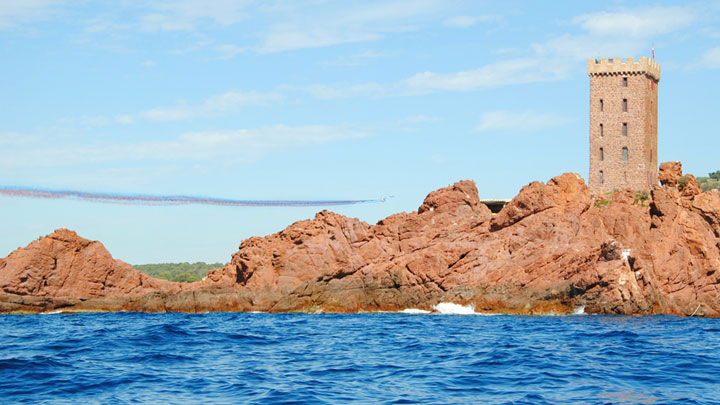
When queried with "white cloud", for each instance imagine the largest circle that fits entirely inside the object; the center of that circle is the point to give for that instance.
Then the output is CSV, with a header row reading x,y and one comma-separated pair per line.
x,y
710,59
528,121
319,28
465,21
497,74
419,119
187,15
639,22
554,59
10,139
212,106
286,37
124,119
623,33
17,12
515,71
100,120
325,91
228,51
356,59
271,26
241,145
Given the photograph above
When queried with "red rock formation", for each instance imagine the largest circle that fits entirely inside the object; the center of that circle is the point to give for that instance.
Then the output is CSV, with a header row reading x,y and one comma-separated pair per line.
x,y
670,173
63,264
551,249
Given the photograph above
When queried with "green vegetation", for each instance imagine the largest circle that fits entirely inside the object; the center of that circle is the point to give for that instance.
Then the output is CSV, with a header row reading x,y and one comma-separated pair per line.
x,y
641,197
683,181
712,182
604,202
182,272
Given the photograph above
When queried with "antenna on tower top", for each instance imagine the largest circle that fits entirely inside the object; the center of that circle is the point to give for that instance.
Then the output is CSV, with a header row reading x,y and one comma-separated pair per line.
x,y
653,51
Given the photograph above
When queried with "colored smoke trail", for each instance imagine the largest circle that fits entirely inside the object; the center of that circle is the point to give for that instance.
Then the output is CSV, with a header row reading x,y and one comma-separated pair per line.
x,y
166,200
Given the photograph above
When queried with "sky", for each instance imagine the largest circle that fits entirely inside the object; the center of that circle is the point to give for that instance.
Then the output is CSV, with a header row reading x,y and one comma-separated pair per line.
x,y
316,100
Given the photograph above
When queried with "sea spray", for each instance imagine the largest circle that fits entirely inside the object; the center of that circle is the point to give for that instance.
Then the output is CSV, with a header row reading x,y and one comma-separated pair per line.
x,y
449,308
414,311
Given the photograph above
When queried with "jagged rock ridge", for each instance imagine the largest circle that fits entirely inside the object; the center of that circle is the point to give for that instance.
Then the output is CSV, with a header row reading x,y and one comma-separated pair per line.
x,y
553,248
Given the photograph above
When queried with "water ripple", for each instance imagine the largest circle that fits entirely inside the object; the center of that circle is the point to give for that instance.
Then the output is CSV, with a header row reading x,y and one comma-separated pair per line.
x,y
367,358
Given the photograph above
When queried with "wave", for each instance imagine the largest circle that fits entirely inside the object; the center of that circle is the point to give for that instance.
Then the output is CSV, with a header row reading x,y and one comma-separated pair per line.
x,y
449,308
414,311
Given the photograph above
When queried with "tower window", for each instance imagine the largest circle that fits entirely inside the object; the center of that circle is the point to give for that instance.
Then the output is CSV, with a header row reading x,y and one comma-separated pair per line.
x,y
602,154
602,179
601,105
624,81
625,153
624,105
624,128
601,130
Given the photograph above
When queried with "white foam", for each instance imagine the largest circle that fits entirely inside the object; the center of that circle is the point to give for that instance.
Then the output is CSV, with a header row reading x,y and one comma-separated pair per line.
x,y
449,308
414,311
579,310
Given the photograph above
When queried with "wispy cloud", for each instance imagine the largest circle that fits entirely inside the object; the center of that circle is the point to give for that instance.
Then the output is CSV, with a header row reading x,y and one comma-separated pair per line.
x,y
516,71
551,60
99,121
370,21
419,119
710,59
465,21
228,51
10,139
271,26
625,32
231,146
14,13
356,59
527,121
632,23
213,106
188,15
496,74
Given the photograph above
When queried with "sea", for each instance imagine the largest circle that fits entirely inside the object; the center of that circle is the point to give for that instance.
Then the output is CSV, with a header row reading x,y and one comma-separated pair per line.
x,y
373,358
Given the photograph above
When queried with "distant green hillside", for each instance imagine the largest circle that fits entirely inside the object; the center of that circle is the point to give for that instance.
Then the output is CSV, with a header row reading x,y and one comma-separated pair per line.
x,y
710,182
182,272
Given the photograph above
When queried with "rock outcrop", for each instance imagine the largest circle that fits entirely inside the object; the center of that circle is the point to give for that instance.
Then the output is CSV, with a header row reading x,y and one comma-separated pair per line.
x,y
552,249
63,264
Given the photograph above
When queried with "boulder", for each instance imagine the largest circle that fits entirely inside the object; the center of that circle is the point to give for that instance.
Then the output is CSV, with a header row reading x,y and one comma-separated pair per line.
x,y
670,173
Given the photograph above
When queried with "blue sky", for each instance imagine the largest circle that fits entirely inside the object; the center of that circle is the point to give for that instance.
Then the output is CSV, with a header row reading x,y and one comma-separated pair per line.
x,y
316,100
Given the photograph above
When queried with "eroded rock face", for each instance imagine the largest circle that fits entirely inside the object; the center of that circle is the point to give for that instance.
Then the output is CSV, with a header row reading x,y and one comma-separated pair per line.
x,y
670,173
551,249
63,264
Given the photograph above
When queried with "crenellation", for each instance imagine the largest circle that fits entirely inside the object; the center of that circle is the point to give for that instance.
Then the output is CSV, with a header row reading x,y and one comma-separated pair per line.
x,y
614,66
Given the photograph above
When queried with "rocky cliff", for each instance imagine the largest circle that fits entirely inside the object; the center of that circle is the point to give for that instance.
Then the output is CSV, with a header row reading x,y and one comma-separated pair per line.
x,y
553,249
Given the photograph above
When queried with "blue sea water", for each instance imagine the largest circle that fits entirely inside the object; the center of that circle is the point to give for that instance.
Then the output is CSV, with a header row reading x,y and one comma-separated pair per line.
x,y
365,358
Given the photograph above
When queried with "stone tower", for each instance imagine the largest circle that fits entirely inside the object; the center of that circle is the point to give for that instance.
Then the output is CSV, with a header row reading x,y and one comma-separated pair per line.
x,y
623,124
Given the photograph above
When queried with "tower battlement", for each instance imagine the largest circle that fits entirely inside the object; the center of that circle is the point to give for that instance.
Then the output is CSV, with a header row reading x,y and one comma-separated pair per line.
x,y
616,66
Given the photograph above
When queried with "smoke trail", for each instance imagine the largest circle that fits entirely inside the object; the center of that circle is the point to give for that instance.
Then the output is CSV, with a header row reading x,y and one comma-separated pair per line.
x,y
166,200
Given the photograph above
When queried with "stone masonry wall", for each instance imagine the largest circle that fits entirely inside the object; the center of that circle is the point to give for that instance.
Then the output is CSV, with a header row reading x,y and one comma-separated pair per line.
x,y
639,172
